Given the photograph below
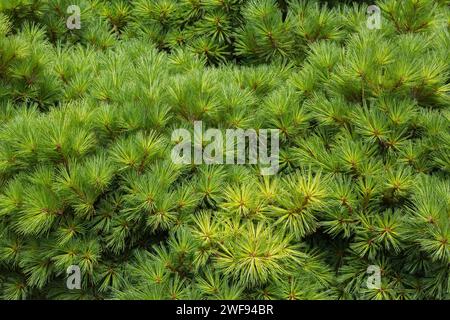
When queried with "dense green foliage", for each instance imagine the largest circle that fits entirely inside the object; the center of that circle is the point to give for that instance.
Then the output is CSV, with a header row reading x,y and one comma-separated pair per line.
x,y
86,177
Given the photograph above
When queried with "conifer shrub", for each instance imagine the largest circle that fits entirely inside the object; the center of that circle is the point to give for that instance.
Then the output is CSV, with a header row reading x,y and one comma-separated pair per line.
x,y
86,176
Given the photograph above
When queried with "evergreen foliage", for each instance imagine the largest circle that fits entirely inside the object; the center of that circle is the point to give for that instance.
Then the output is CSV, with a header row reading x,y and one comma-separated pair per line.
x,y
86,177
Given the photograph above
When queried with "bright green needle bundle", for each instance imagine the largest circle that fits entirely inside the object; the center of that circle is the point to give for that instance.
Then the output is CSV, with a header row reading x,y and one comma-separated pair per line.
x,y
86,176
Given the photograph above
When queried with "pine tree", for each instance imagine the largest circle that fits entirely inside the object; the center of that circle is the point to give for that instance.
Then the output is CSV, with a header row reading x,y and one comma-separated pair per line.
x,y
86,176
